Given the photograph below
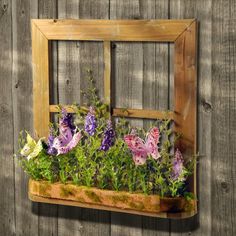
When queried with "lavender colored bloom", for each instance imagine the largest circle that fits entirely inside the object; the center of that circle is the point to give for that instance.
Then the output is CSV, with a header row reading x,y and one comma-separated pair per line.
x,y
90,122
177,165
66,120
108,139
51,150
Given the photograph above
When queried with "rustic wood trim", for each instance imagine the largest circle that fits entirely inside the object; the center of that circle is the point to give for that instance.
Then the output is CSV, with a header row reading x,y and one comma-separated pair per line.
x,y
107,72
40,64
112,30
185,88
183,215
131,113
140,113
43,191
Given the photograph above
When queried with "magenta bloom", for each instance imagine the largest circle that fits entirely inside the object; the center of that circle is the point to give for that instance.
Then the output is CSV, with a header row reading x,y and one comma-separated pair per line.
x,y
177,165
140,148
109,137
90,122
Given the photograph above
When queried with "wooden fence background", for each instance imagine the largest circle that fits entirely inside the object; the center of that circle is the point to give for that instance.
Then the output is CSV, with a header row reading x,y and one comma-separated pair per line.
x,y
142,74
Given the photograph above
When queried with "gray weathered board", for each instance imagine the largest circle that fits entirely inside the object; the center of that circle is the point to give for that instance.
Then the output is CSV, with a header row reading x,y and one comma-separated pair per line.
x,y
138,68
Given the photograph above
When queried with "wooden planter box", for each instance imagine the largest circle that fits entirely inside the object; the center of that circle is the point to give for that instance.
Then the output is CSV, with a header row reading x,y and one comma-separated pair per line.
x,y
135,203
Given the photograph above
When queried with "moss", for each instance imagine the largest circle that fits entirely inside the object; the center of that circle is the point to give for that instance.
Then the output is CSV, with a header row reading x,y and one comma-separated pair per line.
x,y
137,205
92,196
67,191
44,187
35,187
189,205
120,198
80,199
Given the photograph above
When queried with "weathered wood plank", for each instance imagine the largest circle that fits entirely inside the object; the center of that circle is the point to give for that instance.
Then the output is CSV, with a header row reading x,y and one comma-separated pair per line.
x,y
69,85
155,92
47,212
74,59
22,12
127,80
223,163
7,205
136,76
118,30
182,9
68,59
48,9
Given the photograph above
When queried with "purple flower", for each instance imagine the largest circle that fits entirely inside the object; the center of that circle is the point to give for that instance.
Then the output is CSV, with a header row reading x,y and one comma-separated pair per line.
x,y
90,122
51,150
177,165
66,120
108,139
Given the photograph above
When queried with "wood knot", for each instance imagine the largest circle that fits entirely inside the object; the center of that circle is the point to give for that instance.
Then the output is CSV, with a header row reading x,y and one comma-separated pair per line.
x,y
4,7
54,20
4,110
206,105
125,112
17,84
225,186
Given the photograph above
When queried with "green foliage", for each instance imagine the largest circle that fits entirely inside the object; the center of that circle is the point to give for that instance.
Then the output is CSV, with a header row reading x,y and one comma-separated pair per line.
x,y
42,167
114,169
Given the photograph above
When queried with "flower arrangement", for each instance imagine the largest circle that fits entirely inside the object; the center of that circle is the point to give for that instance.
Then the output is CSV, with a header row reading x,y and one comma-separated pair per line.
x,y
89,149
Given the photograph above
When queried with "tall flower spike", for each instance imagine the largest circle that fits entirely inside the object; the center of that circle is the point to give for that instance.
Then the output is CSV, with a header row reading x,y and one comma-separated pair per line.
x,y
90,122
51,150
108,138
66,120
177,165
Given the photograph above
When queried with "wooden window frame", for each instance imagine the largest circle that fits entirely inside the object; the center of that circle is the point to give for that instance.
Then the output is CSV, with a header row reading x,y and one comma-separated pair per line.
x,y
183,33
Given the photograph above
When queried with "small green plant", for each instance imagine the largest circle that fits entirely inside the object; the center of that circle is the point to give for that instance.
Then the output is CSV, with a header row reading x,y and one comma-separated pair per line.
x,y
91,150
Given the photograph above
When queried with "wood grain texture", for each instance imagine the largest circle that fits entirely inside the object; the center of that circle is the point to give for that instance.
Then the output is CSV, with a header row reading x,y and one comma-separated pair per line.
x,y
142,113
155,92
107,72
200,225
114,30
216,102
40,67
74,59
7,205
185,89
223,164
48,223
127,80
69,86
26,213
109,200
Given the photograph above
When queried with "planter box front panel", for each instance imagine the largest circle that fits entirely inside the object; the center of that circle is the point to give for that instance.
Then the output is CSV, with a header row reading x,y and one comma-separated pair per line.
x,y
90,197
